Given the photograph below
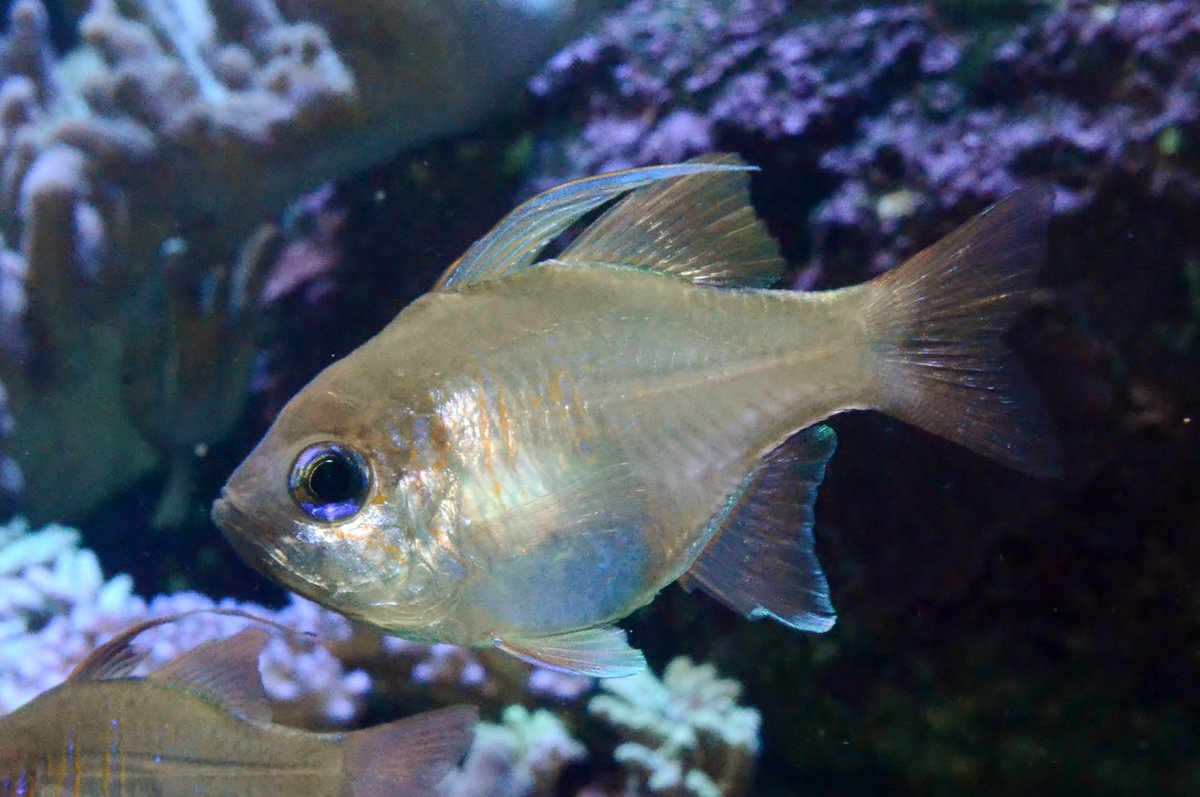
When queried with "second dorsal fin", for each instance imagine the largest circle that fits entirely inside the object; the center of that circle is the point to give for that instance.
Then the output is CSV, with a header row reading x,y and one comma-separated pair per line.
x,y
761,561
700,227
224,670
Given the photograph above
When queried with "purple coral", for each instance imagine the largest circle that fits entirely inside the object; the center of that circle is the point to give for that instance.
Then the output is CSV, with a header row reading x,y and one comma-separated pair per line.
x,y
844,112
661,84
1095,102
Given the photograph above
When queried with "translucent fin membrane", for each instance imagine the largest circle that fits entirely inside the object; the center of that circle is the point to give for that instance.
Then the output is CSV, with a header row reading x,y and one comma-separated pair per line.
x,y
409,756
515,242
700,227
935,325
762,561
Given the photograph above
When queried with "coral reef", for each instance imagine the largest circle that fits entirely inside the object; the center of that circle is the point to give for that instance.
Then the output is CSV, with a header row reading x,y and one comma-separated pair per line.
x,y
664,82
57,607
140,178
877,131
996,636
523,756
687,734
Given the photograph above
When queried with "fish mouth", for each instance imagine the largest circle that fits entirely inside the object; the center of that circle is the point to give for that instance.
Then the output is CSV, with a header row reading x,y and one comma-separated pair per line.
x,y
233,523
260,549
225,514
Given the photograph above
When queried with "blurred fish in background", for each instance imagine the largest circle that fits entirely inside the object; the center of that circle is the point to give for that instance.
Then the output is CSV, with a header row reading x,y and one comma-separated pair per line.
x,y
201,724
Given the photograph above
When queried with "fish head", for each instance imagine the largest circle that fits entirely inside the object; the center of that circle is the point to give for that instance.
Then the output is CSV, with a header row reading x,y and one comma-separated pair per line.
x,y
316,507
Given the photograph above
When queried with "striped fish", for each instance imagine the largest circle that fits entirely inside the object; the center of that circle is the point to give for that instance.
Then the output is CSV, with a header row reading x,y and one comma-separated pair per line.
x,y
200,725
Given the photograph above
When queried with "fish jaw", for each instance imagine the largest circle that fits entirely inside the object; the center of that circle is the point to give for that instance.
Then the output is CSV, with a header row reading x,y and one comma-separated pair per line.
x,y
261,554
356,570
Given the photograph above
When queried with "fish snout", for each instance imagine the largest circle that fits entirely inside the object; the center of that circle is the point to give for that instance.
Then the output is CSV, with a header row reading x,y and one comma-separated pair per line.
x,y
238,528
223,512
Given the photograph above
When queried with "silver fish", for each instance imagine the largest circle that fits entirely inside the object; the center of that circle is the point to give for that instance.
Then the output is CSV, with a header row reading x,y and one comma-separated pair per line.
x,y
534,449
201,725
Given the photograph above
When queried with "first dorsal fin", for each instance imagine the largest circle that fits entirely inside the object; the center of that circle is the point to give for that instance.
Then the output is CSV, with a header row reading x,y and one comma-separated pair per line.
x,y
516,241
226,671
701,227
117,657
761,561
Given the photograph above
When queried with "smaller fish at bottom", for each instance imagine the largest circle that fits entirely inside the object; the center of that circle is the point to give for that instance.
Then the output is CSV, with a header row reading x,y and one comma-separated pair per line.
x,y
201,725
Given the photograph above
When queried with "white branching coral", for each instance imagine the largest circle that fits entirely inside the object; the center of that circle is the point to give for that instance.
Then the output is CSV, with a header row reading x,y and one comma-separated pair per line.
x,y
140,177
522,757
686,734
56,606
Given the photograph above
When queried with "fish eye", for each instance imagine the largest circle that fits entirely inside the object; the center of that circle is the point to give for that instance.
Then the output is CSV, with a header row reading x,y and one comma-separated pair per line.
x,y
329,482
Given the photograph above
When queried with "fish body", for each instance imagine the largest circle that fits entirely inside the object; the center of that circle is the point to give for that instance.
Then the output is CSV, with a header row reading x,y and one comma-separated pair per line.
x,y
199,726
533,450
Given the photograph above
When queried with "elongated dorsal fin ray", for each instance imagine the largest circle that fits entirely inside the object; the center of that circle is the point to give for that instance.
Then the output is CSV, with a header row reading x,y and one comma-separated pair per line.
x,y
516,241
602,652
116,658
226,671
762,561
700,227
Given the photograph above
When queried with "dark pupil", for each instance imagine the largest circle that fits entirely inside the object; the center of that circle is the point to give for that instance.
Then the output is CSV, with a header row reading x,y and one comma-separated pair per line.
x,y
334,478
330,482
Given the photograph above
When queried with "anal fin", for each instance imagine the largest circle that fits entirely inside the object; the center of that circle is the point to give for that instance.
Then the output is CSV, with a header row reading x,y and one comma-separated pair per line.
x,y
761,562
601,652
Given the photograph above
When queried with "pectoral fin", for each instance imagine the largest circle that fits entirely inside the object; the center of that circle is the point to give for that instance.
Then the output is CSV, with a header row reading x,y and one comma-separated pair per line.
x,y
601,652
762,562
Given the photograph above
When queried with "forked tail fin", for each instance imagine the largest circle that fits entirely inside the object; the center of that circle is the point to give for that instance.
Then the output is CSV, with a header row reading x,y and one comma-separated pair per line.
x,y
408,756
935,325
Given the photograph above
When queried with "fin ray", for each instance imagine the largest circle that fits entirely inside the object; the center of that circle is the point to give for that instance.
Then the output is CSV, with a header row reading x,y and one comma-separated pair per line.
x,y
761,561
602,652
700,227
515,242
117,657
226,670
409,756
935,324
